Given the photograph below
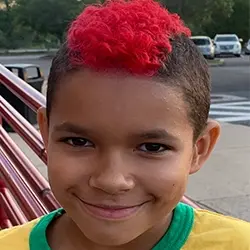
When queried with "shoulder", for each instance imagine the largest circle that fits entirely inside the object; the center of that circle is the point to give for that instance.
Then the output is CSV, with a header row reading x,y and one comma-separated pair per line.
x,y
215,231
17,237
212,219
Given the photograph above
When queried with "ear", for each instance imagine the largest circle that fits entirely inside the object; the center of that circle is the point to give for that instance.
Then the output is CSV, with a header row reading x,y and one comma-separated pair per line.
x,y
43,125
205,145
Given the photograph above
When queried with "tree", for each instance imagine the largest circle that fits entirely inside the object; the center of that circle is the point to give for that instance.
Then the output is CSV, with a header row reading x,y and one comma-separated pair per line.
x,y
8,4
47,16
239,22
198,14
25,23
3,40
5,23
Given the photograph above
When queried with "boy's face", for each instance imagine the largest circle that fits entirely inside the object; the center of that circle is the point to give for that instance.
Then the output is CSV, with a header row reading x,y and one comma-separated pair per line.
x,y
120,150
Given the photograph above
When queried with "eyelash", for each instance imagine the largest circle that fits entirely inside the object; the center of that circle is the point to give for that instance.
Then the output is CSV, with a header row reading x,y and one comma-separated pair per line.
x,y
160,148
72,141
68,139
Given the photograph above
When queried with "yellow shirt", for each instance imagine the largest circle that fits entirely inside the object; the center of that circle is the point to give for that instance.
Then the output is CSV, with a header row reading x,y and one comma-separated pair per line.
x,y
190,230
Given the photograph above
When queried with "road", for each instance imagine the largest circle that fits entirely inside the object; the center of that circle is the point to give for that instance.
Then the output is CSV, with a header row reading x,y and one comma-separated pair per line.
x,y
233,78
230,86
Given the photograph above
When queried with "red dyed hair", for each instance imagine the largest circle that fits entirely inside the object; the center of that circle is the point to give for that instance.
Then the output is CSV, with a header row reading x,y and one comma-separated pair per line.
x,y
127,35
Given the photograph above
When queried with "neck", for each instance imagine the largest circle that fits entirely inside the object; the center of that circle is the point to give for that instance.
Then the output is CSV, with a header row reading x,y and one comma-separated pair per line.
x,y
65,232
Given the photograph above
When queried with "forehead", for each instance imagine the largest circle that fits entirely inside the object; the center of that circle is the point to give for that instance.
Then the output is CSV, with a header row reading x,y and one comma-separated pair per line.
x,y
111,101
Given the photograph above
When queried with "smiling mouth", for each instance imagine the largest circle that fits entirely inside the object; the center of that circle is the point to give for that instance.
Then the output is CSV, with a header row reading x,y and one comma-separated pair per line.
x,y
111,212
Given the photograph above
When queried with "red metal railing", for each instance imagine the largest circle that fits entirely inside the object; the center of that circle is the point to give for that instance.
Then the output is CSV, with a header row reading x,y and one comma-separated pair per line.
x,y
10,213
33,176
21,89
20,188
24,192
23,128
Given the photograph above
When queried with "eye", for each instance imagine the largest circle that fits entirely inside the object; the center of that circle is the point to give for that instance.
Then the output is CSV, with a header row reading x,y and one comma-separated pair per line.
x,y
153,147
78,142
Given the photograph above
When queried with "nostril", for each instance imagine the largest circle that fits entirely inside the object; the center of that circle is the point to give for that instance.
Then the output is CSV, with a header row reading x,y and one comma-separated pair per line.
x,y
111,184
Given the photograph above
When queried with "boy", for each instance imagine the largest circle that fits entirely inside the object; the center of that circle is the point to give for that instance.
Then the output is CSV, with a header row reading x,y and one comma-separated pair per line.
x,y
126,123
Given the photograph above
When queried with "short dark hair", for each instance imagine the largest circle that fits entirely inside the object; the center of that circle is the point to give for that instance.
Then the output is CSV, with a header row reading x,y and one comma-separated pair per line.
x,y
175,59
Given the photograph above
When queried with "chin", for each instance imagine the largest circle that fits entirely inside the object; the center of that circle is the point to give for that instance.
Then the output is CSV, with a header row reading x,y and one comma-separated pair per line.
x,y
110,233
108,239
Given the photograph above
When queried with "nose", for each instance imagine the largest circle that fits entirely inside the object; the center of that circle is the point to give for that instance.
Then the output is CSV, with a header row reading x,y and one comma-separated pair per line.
x,y
111,175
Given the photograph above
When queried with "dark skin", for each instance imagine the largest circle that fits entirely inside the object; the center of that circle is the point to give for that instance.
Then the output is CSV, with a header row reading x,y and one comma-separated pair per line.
x,y
118,141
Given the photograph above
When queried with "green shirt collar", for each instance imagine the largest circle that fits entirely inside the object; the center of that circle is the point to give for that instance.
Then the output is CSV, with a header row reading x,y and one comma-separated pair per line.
x,y
175,237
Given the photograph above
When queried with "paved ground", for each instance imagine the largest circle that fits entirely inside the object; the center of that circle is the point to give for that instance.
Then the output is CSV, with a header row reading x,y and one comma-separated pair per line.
x,y
232,109
233,78
224,182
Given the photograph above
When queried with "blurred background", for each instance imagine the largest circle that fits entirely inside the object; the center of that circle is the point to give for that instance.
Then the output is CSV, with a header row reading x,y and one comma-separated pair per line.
x,y
41,23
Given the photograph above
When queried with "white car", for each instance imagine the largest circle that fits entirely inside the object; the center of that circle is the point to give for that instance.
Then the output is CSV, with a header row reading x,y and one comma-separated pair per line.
x,y
227,44
205,45
248,48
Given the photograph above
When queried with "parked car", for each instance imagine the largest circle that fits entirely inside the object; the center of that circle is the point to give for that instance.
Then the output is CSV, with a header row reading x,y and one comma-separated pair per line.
x,y
206,46
30,73
247,49
227,44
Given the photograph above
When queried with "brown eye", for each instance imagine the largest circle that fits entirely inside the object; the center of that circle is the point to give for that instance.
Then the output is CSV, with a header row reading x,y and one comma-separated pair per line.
x,y
78,142
153,147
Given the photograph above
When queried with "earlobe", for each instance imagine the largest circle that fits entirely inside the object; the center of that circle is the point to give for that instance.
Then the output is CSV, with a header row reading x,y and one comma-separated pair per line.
x,y
43,125
205,145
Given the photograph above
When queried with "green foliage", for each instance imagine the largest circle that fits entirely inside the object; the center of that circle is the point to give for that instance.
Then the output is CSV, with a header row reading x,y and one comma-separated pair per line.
x,y
240,19
238,22
5,28
26,23
199,14
3,40
47,16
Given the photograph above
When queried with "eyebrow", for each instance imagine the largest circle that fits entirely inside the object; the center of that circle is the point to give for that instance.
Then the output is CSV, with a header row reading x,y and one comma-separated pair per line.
x,y
155,134
70,127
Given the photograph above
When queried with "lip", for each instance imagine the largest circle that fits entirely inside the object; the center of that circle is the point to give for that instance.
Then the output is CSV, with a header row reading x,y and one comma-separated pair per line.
x,y
110,212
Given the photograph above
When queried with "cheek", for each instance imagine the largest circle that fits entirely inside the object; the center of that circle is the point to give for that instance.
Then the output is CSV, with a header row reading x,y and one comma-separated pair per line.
x,y
66,170
167,179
